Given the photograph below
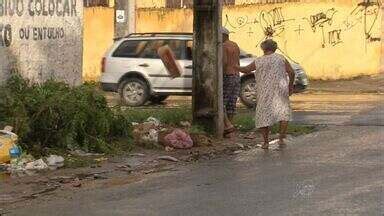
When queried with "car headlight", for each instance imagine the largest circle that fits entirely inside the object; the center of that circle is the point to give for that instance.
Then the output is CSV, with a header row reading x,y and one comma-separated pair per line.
x,y
301,77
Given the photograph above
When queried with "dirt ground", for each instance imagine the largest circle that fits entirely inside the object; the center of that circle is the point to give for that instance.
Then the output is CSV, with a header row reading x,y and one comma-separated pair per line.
x,y
115,171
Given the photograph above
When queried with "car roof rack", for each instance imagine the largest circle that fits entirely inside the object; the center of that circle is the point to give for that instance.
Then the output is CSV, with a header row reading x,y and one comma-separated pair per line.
x,y
154,34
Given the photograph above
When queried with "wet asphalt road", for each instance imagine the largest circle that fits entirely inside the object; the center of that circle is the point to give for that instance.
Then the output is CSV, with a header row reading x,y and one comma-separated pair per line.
x,y
338,170
339,109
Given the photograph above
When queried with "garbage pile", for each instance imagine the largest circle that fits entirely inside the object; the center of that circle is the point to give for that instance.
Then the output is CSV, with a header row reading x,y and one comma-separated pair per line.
x,y
146,134
27,165
178,139
152,133
16,163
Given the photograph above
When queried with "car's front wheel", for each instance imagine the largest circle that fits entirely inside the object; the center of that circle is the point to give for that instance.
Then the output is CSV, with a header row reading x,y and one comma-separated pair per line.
x,y
134,92
248,93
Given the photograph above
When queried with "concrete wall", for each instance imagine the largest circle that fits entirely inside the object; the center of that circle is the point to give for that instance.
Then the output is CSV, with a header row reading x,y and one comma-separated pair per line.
x,y
162,3
150,3
42,39
331,39
98,37
240,2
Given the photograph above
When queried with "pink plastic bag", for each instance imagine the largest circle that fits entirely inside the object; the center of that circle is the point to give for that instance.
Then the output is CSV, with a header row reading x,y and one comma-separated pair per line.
x,y
178,139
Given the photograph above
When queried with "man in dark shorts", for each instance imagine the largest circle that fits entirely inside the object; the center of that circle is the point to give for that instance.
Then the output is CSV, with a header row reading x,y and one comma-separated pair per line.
x,y
231,80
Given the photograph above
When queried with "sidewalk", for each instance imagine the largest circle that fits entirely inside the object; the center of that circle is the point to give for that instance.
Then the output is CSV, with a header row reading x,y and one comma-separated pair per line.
x,y
364,84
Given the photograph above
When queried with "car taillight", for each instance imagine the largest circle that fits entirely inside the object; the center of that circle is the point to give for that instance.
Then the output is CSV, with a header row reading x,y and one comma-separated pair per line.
x,y
103,62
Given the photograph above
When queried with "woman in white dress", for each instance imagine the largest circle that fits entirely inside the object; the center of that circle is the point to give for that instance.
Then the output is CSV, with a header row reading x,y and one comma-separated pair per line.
x,y
274,84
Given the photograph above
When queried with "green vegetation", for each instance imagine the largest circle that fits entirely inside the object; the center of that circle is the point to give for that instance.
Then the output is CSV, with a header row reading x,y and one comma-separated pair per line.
x,y
54,115
197,129
244,122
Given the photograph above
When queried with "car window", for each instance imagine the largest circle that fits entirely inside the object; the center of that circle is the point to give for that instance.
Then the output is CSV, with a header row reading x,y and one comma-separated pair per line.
x,y
130,49
178,48
150,50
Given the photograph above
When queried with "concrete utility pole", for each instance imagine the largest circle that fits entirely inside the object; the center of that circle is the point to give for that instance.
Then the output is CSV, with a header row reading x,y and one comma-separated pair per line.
x,y
207,66
125,17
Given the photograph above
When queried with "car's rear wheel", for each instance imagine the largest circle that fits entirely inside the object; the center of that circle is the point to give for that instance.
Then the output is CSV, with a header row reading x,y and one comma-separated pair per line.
x,y
156,99
248,93
134,92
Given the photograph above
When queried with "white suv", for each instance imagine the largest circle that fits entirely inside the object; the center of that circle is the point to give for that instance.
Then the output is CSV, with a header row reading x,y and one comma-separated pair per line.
x,y
133,68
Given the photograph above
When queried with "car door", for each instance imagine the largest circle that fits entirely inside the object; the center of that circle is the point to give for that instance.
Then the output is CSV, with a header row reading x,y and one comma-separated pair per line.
x,y
128,57
154,67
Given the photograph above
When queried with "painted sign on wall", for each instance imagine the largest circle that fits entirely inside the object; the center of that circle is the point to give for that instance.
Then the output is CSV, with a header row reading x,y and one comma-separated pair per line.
x,y
41,39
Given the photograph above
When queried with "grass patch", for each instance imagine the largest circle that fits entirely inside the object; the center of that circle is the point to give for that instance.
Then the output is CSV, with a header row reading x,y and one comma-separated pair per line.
x,y
169,116
246,122
197,129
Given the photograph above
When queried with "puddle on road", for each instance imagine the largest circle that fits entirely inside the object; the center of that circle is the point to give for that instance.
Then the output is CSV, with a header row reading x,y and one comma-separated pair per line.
x,y
253,153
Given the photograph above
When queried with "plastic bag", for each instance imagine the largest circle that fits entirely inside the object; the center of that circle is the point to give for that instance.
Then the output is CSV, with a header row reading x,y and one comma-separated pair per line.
x,y
178,139
55,162
7,141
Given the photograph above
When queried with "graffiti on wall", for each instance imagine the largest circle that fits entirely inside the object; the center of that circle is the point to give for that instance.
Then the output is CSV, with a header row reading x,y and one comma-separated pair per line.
x,y
272,23
366,12
334,37
320,19
328,24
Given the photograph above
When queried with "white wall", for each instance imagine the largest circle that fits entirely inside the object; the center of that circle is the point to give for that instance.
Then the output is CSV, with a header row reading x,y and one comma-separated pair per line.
x,y
42,39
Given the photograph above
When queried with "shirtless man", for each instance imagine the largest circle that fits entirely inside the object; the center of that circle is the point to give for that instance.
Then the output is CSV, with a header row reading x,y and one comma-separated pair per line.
x,y
231,81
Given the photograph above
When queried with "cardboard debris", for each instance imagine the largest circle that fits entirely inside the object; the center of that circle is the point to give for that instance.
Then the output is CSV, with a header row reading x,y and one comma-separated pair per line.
x,y
169,60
